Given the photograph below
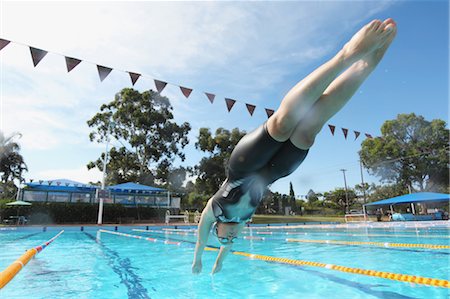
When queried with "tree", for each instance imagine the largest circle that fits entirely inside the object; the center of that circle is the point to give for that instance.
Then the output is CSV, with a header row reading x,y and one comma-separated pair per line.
x,y
337,199
12,164
411,152
211,170
379,192
150,140
292,201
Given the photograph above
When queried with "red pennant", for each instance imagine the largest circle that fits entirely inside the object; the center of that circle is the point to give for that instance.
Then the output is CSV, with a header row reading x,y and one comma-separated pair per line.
x,y
368,135
332,129
269,112
250,108
134,77
230,103
210,97
103,72
71,63
345,131
160,85
186,91
3,43
356,134
37,55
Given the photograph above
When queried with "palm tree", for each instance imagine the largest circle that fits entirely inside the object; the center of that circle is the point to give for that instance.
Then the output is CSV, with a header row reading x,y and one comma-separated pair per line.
x,y
12,164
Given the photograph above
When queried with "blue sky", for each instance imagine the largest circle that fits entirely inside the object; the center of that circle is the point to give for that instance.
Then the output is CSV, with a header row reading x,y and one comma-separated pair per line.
x,y
253,52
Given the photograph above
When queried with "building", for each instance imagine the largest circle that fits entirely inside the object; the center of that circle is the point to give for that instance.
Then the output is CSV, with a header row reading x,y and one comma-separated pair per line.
x,y
68,191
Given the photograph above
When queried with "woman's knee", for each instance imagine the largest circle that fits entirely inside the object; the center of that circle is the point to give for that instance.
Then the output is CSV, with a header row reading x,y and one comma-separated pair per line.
x,y
281,126
303,139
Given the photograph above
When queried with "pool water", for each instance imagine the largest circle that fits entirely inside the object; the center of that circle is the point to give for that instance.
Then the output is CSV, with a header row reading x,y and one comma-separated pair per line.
x,y
91,264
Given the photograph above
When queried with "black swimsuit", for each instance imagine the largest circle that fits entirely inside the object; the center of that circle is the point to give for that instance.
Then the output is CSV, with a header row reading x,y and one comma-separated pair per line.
x,y
257,161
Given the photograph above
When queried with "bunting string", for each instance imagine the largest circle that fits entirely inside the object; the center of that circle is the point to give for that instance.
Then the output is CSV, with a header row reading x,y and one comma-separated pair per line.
x,y
103,72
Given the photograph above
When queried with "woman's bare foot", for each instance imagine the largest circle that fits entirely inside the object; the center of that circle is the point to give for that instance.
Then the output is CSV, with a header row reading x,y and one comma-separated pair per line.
x,y
373,58
371,37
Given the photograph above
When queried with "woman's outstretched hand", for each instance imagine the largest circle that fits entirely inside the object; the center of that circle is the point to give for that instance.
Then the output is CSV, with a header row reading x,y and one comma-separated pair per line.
x,y
196,267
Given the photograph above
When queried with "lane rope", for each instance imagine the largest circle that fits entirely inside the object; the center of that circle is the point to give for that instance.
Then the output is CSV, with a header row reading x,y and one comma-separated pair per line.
x,y
139,237
8,274
350,235
378,244
435,282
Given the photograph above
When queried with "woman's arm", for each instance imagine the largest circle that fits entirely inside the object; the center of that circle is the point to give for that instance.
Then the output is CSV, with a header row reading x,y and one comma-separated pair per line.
x,y
206,221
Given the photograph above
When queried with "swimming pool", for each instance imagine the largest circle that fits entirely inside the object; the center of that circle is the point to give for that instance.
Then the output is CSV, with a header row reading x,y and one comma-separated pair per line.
x,y
93,264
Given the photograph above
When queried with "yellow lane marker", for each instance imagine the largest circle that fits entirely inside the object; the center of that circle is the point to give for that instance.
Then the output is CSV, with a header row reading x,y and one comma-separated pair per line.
x,y
379,244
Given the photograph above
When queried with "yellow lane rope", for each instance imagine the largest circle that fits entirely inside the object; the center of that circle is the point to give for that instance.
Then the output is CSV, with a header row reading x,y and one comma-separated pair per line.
x,y
8,274
381,274
351,235
379,244
435,282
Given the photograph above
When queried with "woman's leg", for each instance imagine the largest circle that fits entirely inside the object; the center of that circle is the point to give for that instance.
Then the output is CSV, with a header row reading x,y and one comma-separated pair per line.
x,y
337,94
299,100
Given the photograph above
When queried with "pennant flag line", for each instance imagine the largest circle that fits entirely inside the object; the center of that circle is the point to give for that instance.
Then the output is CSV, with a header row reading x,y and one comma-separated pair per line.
x,y
186,91
160,85
103,72
210,97
269,112
230,103
71,63
134,77
332,129
38,54
3,43
250,108
345,131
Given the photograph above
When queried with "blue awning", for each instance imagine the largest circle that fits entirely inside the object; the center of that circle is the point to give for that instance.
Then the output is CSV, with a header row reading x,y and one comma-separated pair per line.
x,y
413,198
135,188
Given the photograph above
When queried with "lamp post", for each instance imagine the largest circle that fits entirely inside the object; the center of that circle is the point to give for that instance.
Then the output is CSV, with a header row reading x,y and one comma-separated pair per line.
x,y
105,160
362,181
346,192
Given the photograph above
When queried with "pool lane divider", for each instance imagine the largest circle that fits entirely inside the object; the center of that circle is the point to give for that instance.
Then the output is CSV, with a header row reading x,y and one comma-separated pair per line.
x,y
378,244
166,232
139,237
8,274
435,282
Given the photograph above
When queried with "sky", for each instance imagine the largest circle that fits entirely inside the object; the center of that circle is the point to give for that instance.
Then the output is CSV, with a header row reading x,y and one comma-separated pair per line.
x,y
253,52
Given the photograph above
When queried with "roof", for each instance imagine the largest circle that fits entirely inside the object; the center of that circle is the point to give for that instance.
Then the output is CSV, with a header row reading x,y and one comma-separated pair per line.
x,y
60,185
134,188
413,197
64,185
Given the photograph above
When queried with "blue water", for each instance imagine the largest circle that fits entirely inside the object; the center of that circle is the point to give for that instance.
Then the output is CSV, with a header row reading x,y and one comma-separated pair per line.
x,y
88,264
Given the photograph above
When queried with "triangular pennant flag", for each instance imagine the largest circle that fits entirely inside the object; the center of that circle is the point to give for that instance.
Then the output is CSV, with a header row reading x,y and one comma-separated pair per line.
x,y
368,135
37,55
71,63
250,108
186,91
134,77
269,112
3,43
210,97
356,134
103,72
160,85
230,103
345,131
332,129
